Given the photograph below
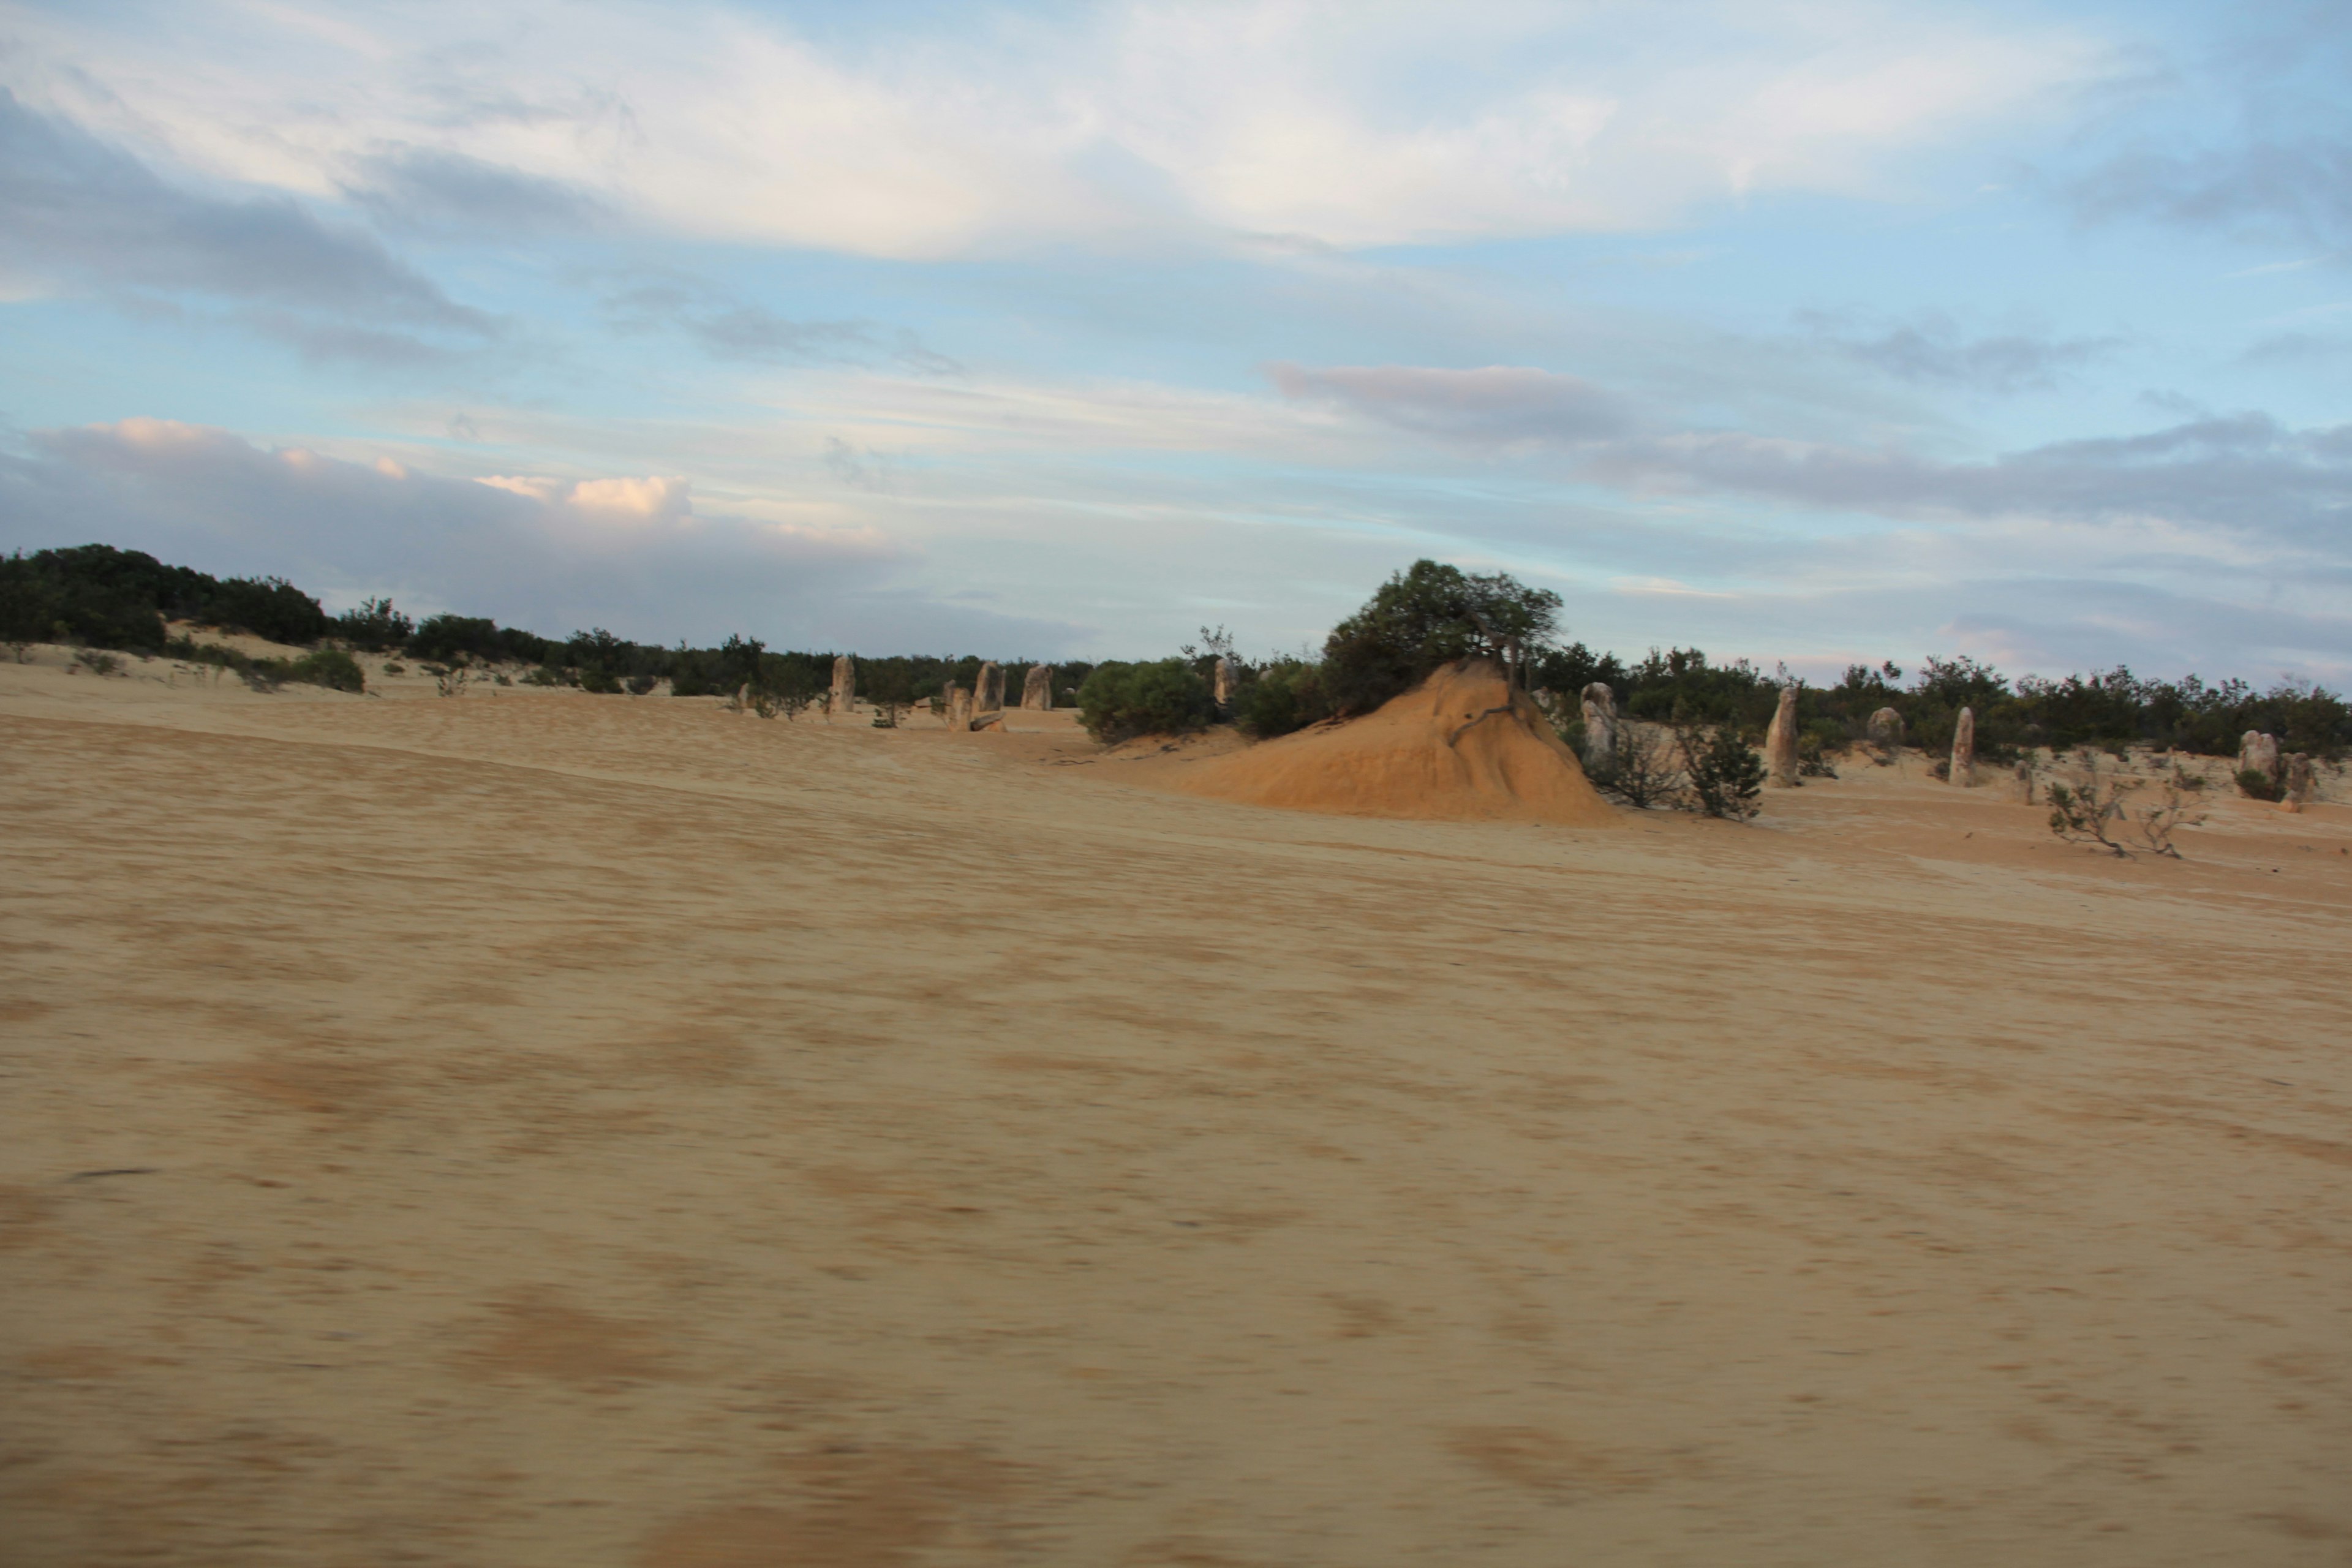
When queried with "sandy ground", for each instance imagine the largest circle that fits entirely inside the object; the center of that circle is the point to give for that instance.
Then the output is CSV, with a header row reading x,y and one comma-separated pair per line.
x,y
538,1128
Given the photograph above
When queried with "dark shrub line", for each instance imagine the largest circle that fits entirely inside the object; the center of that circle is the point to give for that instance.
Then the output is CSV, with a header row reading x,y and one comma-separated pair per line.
x,y
1427,615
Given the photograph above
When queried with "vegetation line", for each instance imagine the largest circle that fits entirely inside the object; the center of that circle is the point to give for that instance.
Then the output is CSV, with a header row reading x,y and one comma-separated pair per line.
x,y
98,596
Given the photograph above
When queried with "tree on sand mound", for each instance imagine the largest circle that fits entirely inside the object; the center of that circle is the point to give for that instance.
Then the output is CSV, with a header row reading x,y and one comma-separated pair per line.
x,y
1426,618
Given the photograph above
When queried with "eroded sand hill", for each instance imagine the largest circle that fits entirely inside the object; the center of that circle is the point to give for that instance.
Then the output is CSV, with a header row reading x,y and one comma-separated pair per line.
x,y
1462,746
537,1129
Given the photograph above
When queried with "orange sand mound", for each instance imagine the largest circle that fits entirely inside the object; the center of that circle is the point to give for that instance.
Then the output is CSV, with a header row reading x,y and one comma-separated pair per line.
x,y
1461,745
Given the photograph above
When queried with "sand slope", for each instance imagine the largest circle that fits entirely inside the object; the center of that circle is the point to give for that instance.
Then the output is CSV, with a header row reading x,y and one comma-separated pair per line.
x,y
1463,746
537,1129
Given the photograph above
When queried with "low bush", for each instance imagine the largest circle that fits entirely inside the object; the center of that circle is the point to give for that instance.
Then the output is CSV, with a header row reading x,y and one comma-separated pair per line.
x,y
2098,807
1727,779
1639,769
1284,696
1121,701
2256,785
330,667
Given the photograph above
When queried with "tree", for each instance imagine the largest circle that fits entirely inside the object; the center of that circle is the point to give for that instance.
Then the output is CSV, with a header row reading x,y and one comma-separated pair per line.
x,y
1426,617
889,685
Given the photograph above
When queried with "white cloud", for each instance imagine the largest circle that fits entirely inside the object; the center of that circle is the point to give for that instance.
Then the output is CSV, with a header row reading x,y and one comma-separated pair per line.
x,y
655,499
1349,125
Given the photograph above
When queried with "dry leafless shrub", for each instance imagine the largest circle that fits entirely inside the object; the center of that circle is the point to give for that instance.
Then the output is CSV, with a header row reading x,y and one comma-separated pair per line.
x,y
2102,809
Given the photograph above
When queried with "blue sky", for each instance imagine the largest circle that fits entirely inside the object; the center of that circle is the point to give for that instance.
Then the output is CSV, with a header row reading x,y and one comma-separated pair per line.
x,y
1807,332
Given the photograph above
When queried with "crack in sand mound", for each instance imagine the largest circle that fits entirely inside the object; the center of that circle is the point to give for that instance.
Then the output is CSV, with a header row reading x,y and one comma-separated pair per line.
x,y
1461,745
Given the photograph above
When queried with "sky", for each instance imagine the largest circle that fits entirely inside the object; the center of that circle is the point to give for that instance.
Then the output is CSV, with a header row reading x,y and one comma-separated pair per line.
x,y
1803,331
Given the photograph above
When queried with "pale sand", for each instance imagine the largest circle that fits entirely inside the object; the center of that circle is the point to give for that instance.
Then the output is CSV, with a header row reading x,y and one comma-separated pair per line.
x,y
1462,746
592,1130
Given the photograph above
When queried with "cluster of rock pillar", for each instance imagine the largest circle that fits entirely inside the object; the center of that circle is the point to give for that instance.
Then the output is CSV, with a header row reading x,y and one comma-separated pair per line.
x,y
984,704
2292,773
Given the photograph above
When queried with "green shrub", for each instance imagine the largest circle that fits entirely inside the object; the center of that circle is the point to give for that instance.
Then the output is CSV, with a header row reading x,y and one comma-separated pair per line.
x,y
446,639
2256,785
600,680
1285,696
269,607
639,684
374,628
1167,698
1727,779
546,675
330,667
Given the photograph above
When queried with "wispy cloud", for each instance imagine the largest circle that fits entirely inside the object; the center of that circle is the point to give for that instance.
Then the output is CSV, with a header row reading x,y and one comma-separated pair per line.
x,y
79,217
729,328
1493,402
436,189
2246,474
2299,189
1933,349
1266,118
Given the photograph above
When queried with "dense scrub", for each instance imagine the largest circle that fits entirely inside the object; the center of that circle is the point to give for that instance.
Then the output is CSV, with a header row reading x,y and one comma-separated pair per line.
x,y
97,597
1428,615
2110,709
1167,697
103,597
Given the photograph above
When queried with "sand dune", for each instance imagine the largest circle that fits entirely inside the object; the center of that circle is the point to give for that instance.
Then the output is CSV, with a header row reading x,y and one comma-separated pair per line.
x,y
534,1128
1463,746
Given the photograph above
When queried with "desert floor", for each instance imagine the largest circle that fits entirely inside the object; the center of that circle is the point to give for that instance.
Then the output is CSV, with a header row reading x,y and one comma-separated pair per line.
x,y
541,1129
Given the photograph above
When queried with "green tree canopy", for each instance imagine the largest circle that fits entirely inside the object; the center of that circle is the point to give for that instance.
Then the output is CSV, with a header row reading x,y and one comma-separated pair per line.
x,y
1428,616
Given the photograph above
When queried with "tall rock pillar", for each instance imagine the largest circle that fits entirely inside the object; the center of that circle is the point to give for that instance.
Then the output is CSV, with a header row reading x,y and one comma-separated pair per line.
x,y
1781,741
1964,750
1600,724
